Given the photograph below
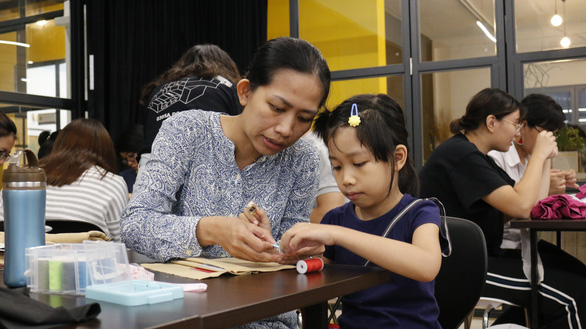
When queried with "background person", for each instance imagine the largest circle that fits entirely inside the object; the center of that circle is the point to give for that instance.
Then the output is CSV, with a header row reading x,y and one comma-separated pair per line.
x,y
543,113
328,194
46,140
81,182
128,146
471,186
204,78
7,137
206,167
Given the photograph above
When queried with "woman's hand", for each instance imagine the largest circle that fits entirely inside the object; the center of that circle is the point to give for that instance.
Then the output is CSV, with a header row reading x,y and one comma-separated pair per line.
x,y
240,238
257,216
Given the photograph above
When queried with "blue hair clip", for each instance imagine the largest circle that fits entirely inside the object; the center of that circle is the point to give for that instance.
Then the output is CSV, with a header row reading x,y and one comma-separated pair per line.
x,y
354,119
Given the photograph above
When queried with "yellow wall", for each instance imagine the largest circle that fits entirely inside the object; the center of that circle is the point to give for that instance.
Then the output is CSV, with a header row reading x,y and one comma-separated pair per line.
x,y
47,42
350,34
7,62
277,19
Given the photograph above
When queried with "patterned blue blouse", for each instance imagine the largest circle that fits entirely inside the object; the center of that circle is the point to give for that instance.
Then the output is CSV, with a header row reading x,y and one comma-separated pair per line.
x,y
193,174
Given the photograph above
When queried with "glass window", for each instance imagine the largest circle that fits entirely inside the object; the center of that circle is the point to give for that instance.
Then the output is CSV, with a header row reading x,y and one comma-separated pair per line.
x,y
534,24
456,29
36,7
344,89
444,98
29,66
562,80
30,122
353,34
12,10
582,106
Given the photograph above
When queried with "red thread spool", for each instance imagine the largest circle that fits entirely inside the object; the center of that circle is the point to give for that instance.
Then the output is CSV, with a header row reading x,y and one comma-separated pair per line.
x,y
310,265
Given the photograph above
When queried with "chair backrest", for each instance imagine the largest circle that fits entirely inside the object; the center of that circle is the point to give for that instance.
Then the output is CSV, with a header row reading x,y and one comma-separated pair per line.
x,y
68,226
460,281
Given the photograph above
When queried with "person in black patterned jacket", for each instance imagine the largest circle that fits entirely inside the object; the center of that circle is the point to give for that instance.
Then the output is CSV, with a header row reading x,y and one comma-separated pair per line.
x,y
205,78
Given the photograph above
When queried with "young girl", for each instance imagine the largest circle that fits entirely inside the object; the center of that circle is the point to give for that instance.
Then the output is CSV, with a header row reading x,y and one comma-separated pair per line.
x,y
367,142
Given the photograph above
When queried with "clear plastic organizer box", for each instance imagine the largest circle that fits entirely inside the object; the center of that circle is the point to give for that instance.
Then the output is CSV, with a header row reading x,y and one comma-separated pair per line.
x,y
98,270
68,268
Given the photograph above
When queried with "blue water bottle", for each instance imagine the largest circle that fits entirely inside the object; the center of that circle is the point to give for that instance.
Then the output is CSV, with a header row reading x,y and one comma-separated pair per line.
x,y
23,196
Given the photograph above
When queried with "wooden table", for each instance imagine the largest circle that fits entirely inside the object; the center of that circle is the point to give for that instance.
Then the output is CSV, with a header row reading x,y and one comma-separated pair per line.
x,y
235,300
543,225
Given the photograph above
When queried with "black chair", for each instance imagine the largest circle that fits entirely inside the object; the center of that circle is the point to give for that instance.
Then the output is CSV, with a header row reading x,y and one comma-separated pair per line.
x,y
69,226
460,281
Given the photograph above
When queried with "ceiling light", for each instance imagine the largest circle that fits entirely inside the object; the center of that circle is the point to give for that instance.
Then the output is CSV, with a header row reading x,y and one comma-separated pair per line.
x,y
565,42
556,20
15,43
486,32
42,22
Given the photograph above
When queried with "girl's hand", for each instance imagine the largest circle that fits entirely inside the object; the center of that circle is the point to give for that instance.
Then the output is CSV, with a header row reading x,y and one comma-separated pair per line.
x,y
545,145
303,253
303,239
256,215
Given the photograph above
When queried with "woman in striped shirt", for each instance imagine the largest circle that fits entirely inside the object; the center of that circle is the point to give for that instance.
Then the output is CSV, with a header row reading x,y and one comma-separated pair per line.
x,y
81,181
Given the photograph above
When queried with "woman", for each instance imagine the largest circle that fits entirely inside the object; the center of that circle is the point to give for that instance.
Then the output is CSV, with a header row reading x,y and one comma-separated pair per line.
x,y
7,137
204,77
81,180
470,185
206,167
543,113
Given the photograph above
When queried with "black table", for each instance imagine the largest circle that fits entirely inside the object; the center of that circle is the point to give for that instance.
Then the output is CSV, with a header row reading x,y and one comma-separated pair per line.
x,y
543,225
234,300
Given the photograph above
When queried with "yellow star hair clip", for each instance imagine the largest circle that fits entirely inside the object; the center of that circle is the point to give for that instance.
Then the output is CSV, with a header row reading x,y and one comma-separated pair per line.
x,y
354,119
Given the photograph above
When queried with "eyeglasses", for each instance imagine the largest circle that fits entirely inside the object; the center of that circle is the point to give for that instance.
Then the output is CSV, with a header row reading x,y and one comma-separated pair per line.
x,y
518,125
4,155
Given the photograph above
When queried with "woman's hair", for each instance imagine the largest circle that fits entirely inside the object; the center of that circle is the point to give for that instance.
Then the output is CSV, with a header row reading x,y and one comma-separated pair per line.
x,y
543,111
82,144
202,61
7,126
288,53
46,141
489,101
381,130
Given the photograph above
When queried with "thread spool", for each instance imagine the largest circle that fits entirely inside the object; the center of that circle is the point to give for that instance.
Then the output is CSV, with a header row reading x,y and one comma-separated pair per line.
x,y
55,275
310,265
68,279
43,274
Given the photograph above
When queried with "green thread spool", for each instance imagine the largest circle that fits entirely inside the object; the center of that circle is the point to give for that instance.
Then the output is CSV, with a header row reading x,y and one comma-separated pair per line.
x,y
55,275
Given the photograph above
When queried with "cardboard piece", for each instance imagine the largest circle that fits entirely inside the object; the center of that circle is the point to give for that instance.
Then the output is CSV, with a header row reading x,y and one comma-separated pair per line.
x,y
200,268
